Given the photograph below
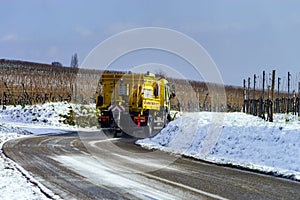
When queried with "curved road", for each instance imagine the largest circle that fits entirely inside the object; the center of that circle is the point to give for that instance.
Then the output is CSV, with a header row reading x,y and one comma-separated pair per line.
x,y
89,166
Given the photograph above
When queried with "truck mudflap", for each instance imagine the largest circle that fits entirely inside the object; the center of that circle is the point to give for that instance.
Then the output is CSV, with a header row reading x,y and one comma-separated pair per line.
x,y
110,132
105,119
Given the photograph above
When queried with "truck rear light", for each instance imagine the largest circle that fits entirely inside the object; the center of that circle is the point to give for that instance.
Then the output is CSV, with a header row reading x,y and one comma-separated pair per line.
x,y
104,118
140,118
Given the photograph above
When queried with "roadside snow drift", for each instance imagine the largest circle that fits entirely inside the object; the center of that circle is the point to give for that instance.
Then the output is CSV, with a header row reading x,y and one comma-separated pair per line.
x,y
236,139
15,122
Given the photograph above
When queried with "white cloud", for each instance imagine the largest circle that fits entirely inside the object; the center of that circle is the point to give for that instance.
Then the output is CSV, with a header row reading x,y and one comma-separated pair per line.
x,y
115,28
8,37
209,27
83,31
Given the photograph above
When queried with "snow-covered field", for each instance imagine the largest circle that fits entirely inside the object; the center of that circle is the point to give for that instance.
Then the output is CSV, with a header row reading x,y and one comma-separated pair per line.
x,y
230,138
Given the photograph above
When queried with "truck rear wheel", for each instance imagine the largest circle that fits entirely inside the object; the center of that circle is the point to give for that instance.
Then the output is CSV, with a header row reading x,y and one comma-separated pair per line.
x,y
110,133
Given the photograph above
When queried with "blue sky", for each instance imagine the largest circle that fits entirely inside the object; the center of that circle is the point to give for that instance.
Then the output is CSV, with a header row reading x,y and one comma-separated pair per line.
x,y
242,37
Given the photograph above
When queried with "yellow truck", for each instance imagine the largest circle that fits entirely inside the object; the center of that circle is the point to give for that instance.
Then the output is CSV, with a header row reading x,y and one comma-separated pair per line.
x,y
131,103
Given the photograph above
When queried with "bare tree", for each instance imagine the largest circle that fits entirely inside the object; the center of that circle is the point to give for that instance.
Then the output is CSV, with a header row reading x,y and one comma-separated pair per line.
x,y
55,63
74,61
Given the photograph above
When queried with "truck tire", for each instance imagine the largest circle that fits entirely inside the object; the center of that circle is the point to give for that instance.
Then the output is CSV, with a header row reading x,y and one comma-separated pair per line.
x,y
109,133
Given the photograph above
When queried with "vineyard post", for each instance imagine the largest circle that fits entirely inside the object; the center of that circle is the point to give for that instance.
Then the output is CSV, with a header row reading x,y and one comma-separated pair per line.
x,y
254,86
278,96
298,99
254,95
263,97
248,100
244,93
272,95
288,100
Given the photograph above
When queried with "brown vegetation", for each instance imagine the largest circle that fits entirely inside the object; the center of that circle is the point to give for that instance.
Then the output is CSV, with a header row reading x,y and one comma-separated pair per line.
x,y
31,83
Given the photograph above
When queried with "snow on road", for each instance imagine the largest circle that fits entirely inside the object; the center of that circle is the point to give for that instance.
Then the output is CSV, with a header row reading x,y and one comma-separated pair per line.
x,y
106,176
230,138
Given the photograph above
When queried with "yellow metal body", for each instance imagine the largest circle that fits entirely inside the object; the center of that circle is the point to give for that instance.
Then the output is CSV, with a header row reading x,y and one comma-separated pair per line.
x,y
135,92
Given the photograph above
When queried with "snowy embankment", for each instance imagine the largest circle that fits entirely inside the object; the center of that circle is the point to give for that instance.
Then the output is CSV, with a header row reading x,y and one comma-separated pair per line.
x,y
15,122
235,139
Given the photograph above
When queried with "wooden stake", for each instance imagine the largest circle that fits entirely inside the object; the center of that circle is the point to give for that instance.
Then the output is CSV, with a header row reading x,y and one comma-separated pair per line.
x,y
272,96
248,100
263,97
244,93
299,99
288,100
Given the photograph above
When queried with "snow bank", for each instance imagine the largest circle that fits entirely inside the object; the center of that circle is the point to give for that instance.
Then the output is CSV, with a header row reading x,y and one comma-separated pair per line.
x,y
236,139
15,122
49,114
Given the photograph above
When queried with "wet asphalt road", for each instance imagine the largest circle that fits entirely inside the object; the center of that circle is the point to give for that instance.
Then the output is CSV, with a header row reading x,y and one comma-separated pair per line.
x,y
88,165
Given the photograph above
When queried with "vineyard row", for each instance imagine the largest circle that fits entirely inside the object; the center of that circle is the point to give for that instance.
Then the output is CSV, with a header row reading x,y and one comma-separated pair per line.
x,y
34,83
